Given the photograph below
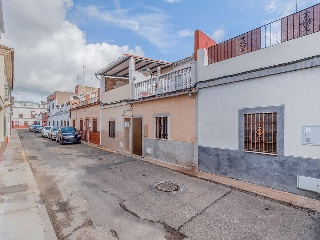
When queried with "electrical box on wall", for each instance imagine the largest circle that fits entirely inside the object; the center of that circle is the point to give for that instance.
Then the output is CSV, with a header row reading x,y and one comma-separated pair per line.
x,y
311,135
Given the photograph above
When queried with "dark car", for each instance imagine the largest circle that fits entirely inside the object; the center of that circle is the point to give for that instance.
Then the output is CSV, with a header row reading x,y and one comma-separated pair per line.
x,y
68,135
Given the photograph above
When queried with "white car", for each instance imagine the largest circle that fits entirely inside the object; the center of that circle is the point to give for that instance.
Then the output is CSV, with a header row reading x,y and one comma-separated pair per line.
x,y
45,131
53,133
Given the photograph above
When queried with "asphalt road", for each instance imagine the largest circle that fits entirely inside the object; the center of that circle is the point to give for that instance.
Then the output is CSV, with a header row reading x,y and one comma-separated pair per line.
x,y
93,194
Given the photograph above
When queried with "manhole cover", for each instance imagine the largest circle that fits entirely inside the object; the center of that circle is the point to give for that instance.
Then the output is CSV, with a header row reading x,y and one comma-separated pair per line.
x,y
167,187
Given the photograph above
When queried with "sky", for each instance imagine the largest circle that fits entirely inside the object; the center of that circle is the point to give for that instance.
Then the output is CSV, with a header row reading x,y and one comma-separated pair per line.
x,y
61,43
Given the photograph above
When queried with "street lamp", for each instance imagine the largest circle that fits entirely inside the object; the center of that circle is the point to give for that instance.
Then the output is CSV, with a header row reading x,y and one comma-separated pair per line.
x,y
146,72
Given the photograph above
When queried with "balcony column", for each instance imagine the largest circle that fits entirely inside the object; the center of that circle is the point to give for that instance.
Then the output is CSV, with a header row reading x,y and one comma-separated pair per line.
x,y
132,68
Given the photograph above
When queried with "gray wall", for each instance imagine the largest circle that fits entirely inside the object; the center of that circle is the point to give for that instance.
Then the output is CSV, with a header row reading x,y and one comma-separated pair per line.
x,y
278,172
178,153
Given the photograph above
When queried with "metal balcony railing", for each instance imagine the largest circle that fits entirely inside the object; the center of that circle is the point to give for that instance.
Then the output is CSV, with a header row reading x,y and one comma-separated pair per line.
x,y
173,81
296,25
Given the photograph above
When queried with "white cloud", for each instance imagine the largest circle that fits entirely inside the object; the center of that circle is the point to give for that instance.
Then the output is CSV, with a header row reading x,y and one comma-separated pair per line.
x,y
185,33
219,34
50,51
152,25
281,8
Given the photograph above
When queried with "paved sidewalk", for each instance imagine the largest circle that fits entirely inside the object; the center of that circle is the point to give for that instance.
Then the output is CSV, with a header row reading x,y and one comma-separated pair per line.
x,y
23,214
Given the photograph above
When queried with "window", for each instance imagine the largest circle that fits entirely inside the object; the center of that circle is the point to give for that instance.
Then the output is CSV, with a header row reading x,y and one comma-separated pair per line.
x,y
52,105
26,123
16,123
20,115
33,114
162,127
260,132
94,125
112,129
58,124
74,123
61,123
81,125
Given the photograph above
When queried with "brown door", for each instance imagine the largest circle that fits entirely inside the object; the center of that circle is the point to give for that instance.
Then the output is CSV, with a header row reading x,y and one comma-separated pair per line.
x,y
137,136
87,129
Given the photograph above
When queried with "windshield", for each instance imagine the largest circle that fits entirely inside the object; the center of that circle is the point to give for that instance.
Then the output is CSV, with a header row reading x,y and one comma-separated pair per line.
x,y
67,129
54,129
47,128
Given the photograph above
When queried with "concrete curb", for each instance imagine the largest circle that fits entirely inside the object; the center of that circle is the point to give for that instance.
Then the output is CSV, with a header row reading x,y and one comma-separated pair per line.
x,y
285,197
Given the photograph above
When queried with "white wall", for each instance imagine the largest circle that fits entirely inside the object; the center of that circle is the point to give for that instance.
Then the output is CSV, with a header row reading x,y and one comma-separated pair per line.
x,y
298,91
117,94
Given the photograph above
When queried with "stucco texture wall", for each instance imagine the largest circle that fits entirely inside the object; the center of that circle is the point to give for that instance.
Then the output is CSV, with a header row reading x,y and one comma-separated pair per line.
x,y
181,109
298,91
116,114
180,148
220,151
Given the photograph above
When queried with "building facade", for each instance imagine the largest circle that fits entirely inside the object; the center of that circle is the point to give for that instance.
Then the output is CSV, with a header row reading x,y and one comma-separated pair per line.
x,y
58,109
257,108
166,107
6,86
25,113
148,109
85,113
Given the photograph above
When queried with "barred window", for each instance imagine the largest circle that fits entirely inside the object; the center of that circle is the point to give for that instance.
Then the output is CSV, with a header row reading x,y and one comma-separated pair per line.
x,y
162,127
260,132
112,129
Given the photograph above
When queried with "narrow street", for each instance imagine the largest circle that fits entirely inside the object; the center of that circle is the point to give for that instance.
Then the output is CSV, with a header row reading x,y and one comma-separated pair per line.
x,y
93,194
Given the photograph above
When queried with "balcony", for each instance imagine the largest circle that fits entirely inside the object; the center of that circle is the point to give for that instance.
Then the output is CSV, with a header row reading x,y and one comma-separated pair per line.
x,y
170,82
291,27
85,99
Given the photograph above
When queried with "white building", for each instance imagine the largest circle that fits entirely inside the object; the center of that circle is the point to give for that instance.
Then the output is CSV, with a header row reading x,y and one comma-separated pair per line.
x,y
258,107
59,109
25,113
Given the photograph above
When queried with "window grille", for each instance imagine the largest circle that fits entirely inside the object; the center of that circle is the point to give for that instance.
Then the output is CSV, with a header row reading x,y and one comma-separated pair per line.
x,y
162,127
260,132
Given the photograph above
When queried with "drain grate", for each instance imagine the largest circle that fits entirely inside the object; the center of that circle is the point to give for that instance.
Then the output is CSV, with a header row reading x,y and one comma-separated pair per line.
x,y
168,187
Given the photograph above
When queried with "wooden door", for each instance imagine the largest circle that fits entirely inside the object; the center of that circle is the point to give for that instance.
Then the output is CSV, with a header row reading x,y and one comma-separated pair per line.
x,y
137,136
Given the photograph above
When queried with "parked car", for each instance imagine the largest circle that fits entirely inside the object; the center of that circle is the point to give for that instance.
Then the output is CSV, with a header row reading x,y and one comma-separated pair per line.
x,y
45,131
37,129
53,133
68,135
32,126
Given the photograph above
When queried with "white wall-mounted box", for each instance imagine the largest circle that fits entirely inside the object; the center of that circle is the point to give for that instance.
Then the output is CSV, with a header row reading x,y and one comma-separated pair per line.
x,y
308,183
311,135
